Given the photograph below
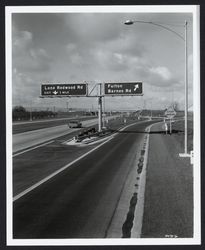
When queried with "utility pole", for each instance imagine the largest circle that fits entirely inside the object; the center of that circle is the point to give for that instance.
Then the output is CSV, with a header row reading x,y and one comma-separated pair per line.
x,y
67,106
31,112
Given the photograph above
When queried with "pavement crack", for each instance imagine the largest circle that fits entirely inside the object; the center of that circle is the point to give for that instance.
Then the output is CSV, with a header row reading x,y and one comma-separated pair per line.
x,y
127,226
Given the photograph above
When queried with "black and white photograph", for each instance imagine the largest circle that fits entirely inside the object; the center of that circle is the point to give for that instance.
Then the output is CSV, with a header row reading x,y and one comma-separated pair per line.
x,y
103,125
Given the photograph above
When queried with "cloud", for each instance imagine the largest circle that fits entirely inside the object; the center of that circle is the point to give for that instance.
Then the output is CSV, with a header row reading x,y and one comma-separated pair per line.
x,y
94,47
162,72
21,39
27,58
92,27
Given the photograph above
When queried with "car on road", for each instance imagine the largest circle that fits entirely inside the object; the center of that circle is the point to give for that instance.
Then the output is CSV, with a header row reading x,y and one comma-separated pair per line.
x,y
75,124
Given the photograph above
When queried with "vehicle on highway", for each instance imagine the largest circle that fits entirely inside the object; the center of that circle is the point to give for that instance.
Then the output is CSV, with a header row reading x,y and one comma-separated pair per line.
x,y
75,124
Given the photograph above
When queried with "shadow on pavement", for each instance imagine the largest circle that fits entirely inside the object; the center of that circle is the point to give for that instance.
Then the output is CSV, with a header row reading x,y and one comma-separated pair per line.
x,y
174,131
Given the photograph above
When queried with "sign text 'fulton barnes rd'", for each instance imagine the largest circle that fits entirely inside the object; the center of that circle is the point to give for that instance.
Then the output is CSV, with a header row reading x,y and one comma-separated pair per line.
x,y
127,88
79,89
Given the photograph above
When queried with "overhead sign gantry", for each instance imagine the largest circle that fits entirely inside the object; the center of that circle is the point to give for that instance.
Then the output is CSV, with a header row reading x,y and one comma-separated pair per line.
x,y
81,90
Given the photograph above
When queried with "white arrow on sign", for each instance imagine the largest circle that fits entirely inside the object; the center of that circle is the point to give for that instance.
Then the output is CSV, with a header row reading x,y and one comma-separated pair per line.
x,y
136,87
55,92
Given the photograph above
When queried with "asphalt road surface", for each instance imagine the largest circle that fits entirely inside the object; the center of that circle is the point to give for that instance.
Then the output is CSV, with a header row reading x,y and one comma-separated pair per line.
x,y
20,127
80,202
28,139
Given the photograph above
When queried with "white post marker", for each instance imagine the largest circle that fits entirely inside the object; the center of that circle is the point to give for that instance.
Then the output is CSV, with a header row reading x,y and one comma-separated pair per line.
x,y
166,127
170,113
192,157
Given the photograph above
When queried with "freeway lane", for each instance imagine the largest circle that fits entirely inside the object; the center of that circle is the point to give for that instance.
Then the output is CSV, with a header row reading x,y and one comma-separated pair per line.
x,y
28,139
20,127
80,201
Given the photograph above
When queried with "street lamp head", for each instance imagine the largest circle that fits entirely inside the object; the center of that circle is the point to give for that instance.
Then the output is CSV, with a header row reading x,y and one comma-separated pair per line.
x,y
128,22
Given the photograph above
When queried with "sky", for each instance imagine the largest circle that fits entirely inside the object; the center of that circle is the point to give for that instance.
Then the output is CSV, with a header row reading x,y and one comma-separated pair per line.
x,y
97,48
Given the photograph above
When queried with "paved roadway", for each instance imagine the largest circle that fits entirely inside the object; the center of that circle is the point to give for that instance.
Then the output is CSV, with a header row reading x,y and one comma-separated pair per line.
x,y
80,201
20,127
28,139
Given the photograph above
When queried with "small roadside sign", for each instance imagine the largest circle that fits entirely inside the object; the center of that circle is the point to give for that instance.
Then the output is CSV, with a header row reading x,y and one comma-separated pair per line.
x,y
170,113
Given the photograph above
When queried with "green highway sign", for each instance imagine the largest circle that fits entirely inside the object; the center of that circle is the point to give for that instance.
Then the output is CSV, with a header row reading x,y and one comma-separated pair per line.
x,y
126,88
63,90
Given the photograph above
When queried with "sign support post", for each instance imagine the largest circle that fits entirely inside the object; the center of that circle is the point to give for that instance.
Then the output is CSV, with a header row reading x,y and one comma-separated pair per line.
x,y
170,113
100,108
81,90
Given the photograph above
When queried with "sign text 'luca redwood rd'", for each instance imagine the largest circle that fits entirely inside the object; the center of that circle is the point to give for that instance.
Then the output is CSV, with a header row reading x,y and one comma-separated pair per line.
x,y
60,90
126,88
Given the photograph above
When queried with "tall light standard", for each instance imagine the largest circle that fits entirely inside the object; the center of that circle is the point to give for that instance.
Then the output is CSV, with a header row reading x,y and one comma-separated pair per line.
x,y
130,22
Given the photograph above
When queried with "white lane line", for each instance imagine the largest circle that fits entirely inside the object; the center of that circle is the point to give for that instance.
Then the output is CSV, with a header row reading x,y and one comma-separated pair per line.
x,y
56,172
139,210
41,145
61,169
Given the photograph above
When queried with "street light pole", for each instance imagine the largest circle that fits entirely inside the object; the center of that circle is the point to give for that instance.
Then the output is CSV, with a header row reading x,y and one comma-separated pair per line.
x,y
186,96
130,22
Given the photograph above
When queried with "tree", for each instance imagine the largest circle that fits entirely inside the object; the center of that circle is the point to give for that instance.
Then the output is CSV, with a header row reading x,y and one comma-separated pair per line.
x,y
19,113
19,109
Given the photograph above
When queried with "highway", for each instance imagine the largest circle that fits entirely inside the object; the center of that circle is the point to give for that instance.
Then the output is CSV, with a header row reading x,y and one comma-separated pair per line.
x,y
80,201
34,137
24,126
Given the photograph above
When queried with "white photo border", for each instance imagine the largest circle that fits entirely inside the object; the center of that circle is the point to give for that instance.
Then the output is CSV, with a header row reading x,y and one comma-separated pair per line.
x,y
194,9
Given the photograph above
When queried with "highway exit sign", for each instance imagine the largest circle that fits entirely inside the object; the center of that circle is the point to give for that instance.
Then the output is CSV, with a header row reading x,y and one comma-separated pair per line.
x,y
126,88
63,90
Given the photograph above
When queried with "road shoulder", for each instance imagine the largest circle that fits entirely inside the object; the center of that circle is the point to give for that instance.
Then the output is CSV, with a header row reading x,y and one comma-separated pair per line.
x,y
168,208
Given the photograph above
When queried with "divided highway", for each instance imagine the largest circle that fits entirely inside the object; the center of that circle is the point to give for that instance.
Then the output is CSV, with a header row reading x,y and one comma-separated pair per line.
x,y
80,202
28,139
20,127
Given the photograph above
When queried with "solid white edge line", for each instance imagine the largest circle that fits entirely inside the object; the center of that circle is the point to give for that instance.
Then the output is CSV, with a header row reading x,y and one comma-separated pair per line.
x,y
41,145
61,169
139,210
56,172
